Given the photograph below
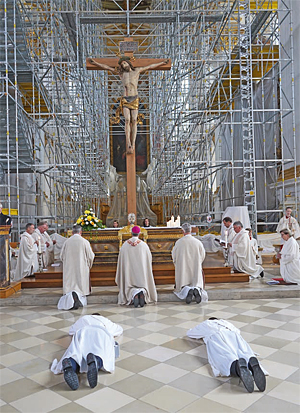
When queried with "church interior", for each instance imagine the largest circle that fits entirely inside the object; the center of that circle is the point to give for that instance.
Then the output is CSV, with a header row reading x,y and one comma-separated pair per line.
x,y
217,135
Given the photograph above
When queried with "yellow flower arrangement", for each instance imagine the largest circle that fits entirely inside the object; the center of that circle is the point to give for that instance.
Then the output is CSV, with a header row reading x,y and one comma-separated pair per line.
x,y
89,221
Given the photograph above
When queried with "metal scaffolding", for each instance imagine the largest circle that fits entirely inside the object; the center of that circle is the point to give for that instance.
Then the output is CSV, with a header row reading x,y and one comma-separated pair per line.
x,y
217,123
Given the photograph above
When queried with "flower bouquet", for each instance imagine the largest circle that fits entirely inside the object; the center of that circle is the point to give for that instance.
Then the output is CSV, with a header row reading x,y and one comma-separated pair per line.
x,y
89,221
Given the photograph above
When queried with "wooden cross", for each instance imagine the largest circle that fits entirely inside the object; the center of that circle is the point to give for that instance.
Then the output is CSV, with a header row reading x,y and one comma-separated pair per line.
x,y
127,47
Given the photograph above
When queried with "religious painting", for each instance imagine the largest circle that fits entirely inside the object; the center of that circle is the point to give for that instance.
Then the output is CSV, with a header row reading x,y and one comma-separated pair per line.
x,y
118,144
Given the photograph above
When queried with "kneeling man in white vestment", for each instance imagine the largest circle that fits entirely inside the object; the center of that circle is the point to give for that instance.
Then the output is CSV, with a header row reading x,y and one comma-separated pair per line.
x,y
188,255
134,275
289,258
92,348
243,257
27,263
228,353
77,257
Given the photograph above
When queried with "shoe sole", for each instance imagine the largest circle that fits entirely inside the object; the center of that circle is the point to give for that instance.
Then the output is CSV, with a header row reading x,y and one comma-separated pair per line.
x,y
245,375
258,374
142,299
189,297
136,301
197,296
77,302
92,373
70,376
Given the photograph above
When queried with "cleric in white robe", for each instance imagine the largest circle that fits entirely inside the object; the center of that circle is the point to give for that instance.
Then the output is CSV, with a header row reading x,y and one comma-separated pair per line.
x,y
49,250
243,257
77,257
225,347
289,258
91,334
27,263
227,235
134,275
188,255
38,236
290,223
254,246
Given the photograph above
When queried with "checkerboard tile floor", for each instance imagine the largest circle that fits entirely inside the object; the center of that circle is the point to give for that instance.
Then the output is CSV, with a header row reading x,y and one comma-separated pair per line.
x,y
159,369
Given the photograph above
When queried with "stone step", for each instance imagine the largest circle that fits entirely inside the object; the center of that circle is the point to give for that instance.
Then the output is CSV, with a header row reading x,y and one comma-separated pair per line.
x,y
44,280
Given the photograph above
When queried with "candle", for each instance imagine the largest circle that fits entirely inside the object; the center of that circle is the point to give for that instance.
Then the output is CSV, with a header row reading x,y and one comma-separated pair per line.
x,y
178,220
39,246
226,238
172,221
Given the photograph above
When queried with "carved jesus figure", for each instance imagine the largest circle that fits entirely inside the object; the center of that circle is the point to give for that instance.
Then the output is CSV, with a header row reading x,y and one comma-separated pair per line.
x,y
129,103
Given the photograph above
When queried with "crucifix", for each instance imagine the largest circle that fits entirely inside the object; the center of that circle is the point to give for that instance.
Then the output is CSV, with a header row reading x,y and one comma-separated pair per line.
x,y
129,71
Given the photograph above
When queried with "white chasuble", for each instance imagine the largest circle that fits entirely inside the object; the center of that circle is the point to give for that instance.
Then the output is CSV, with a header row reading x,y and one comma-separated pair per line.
x,y
188,254
27,262
134,272
77,257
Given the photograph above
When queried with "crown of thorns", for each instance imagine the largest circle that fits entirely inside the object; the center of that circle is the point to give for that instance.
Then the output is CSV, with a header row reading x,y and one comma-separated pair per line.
x,y
124,59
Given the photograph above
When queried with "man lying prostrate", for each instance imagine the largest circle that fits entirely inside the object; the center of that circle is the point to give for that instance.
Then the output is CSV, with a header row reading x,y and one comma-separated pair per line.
x,y
92,348
228,353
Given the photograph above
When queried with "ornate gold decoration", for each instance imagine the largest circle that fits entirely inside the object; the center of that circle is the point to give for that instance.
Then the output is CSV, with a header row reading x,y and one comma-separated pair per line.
x,y
127,231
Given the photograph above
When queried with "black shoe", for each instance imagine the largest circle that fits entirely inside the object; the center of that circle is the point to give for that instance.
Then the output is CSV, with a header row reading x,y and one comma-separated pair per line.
x,y
77,302
257,373
197,296
70,376
262,274
142,299
136,301
245,375
189,296
92,373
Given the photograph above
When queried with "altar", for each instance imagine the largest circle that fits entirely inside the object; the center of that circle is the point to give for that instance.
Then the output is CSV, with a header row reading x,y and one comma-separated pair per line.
x,y
106,244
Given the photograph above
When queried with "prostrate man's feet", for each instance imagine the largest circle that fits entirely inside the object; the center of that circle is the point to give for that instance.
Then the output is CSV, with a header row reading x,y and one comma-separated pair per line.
x,y
239,368
197,296
92,373
70,375
257,373
77,302
262,274
189,296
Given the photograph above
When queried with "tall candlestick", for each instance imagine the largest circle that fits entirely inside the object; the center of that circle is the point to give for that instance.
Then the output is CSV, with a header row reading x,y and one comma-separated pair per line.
x,y
39,245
